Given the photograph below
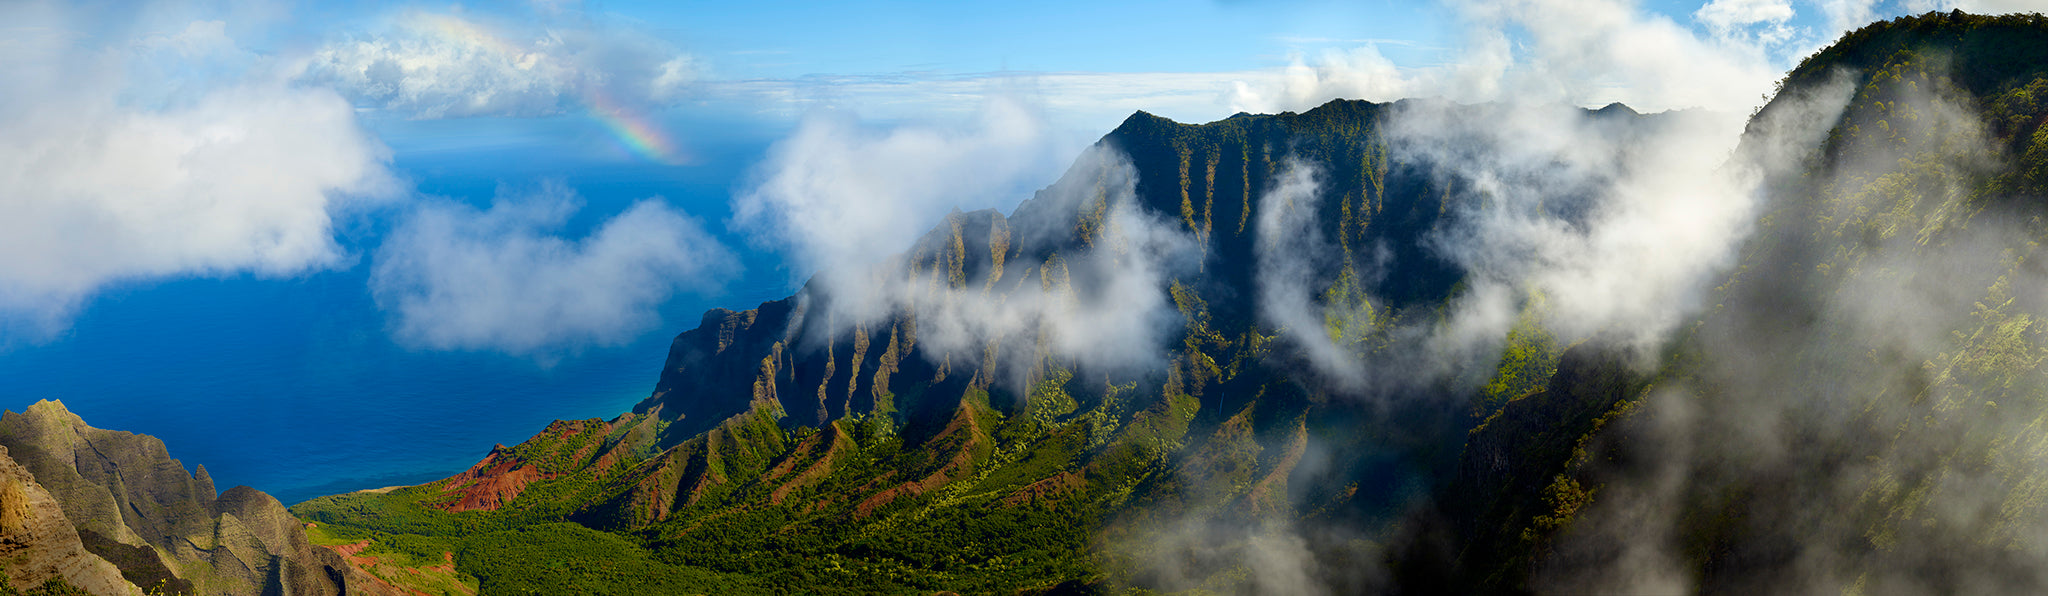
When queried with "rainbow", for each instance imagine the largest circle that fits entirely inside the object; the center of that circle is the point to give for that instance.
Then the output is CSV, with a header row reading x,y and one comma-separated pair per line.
x,y
634,129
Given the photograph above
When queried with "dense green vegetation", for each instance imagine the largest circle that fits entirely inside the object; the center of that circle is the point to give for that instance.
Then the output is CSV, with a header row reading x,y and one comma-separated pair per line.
x,y
972,535
565,558
499,554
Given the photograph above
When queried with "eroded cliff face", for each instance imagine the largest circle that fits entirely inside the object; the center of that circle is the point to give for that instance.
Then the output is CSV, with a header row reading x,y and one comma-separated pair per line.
x,y
122,498
38,543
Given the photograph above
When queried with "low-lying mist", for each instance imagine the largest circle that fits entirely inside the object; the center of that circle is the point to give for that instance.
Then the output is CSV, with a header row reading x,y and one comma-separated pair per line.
x,y
1860,410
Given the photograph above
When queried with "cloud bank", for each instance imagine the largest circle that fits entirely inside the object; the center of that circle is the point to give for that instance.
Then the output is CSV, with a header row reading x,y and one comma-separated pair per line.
x,y
845,201
428,65
1103,308
1617,221
840,195
116,171
1578,52
1882,353
1292,253
458,278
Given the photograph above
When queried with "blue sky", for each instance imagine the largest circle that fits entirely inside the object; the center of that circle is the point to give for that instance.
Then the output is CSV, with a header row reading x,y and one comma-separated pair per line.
x,y
800,38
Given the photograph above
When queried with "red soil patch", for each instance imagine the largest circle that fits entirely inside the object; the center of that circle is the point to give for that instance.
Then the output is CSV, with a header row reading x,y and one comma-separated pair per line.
x,y
351,553
963,423
491,483
788,463
710,476
1057,485
500,477
1263,494
817,470
650,496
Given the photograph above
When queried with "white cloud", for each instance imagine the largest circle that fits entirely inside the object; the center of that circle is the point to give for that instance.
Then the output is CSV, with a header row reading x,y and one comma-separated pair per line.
x,y
843,195
1106,308
1290,251
1758,21
1358,73
213,169
456,277
1845,15
847,200
1581,52
450,65
1728,14
1615,222
1591,52
1617,225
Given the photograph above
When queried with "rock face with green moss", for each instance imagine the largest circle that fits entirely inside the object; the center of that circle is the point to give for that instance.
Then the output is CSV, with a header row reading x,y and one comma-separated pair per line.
x,y
818,445
167,529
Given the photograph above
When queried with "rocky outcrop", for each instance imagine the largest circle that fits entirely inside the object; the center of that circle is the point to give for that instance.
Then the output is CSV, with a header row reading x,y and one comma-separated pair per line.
x,y
722,356
39,544
267,537
162,526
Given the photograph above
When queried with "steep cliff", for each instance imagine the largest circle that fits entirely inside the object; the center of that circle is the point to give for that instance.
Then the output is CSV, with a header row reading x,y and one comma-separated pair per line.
x,y
165,528
38,543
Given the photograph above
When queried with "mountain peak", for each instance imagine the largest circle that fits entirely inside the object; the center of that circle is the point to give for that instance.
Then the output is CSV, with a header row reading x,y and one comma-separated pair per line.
x,y
51,408
1617,109
1143,120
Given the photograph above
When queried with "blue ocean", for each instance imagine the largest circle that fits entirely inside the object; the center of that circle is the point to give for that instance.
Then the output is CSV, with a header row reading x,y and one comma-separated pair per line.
x,y
296,387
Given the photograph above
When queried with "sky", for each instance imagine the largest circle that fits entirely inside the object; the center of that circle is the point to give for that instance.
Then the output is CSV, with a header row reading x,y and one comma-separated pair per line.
x,y
538,194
